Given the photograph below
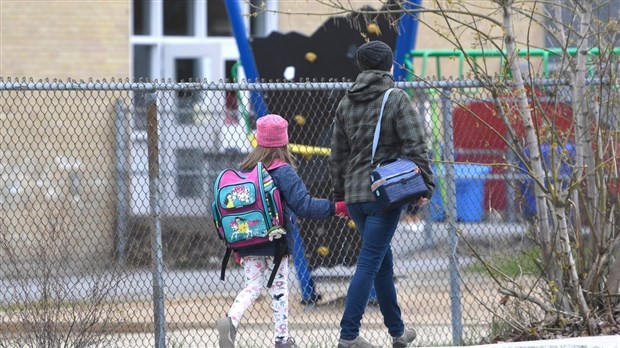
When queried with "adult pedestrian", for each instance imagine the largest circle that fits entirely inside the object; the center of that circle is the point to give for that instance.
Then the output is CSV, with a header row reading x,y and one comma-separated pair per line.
x,y
402,135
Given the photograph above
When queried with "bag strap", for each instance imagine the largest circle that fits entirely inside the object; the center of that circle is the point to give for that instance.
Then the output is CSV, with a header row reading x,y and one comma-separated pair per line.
x,y
225,263
277,260
375,140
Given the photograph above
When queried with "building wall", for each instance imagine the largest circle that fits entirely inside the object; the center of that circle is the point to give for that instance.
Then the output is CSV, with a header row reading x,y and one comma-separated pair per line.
x,y
57,152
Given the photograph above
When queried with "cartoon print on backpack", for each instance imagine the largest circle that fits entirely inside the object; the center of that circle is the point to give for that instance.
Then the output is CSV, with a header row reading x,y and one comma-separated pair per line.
x,y
244,229
228,201
240,225
238,196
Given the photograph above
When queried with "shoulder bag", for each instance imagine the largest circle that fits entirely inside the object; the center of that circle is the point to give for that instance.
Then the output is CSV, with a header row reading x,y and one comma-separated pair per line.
x,y
394,182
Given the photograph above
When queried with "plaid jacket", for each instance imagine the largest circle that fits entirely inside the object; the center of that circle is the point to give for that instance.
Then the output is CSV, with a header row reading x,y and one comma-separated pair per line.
x,y
402,135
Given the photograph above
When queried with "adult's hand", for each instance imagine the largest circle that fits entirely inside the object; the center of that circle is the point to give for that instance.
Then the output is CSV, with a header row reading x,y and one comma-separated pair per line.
x,y
421,202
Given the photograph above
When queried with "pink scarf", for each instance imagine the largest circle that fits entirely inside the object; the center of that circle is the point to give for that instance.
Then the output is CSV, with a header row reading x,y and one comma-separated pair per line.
x,y
277,163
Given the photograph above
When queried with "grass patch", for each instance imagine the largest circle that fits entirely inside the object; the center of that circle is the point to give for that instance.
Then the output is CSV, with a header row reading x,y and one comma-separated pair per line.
x,y
508,264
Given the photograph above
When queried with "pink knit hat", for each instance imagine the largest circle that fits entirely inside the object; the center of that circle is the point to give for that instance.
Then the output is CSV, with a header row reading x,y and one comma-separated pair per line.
x,y
271,131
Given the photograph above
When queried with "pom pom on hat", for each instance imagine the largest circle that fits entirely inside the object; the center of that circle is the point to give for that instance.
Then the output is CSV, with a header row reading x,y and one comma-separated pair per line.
x,y
271,131
375,55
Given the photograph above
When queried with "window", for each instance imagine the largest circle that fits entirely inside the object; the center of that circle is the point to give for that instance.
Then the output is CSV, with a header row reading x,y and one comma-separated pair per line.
x,y
218,23
141,71
162,29
142,61
179,17
189,177
186,70
141,17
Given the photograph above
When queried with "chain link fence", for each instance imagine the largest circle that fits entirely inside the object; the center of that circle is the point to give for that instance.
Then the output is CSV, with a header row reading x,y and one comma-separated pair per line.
x,y
106,232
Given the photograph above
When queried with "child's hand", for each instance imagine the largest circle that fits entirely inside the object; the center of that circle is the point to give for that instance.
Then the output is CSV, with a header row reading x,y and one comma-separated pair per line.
x,y
276,232
341,210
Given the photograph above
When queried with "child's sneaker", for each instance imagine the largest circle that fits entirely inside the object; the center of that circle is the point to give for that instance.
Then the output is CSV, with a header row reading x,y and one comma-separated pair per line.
x,y
401,342
227,332
358,342
286,343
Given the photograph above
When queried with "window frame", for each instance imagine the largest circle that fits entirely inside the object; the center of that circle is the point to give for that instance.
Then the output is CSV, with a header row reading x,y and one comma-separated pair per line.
x,y
158,41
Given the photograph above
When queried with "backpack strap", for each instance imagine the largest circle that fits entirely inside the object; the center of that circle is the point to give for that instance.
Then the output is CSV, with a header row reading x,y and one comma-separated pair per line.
x,y
277,259
225,262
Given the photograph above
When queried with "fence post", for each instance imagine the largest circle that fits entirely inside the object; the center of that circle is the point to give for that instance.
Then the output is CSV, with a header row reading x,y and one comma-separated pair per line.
x,y
121,184
154,200
451,217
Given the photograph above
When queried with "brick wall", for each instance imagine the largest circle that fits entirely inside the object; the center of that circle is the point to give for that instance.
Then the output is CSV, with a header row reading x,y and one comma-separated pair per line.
x,y
77,39
53,141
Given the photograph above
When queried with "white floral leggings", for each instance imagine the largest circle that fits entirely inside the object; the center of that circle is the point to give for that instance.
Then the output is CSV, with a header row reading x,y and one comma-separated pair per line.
x,y
257,272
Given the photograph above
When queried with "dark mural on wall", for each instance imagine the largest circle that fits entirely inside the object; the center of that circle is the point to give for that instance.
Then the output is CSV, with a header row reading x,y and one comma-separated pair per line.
x,y
329,53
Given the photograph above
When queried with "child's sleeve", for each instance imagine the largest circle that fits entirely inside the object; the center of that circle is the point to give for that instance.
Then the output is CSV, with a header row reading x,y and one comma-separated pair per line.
x,y
298,198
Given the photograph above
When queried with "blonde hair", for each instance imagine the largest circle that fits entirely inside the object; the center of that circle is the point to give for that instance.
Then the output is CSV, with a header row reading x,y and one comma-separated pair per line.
x,y
267,155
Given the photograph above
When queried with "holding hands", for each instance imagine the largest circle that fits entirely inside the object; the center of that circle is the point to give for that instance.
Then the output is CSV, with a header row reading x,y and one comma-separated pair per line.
x,y
414,207
341,210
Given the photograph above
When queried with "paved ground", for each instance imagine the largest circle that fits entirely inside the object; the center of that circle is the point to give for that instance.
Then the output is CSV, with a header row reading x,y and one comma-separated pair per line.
x,y
195,299
578,342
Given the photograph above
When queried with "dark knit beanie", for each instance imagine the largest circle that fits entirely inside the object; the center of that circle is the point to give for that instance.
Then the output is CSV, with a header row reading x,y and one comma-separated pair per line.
x,y
375,55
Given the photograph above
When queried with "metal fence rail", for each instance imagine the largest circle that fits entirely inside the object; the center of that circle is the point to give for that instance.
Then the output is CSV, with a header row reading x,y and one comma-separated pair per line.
x,y
107,238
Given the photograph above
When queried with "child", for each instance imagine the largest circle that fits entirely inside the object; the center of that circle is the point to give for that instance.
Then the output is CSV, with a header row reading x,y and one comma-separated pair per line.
x,y
273,152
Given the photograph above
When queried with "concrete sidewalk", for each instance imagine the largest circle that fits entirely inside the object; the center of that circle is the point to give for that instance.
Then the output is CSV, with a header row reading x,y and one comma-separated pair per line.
x,y
577,342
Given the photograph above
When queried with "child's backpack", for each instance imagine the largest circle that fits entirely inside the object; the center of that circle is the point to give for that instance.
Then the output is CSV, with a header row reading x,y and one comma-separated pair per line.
x,y
245,206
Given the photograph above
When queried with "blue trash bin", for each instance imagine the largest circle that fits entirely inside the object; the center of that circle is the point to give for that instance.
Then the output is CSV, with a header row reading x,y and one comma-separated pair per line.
x,y
469,180
526,185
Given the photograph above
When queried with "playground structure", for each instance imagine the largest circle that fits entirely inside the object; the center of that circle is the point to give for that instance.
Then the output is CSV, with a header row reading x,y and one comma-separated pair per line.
x,y
546,57
479,134
330,53
472,115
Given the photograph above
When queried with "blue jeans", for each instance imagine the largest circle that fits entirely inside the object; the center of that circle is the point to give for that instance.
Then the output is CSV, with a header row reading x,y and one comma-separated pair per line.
x,y
374,268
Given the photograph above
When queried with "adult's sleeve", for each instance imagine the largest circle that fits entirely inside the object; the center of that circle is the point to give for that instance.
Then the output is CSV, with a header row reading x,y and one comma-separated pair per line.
x,y
338,157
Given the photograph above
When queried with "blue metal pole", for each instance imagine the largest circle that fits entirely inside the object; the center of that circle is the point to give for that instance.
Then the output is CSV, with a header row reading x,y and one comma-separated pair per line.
x,y
405,42
245,53
306,283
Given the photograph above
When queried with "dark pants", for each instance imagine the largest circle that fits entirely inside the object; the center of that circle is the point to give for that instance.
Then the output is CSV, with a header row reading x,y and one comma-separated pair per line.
x,y
374,267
